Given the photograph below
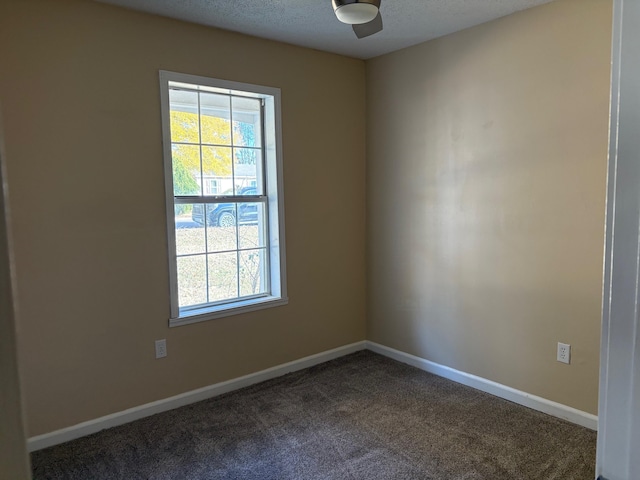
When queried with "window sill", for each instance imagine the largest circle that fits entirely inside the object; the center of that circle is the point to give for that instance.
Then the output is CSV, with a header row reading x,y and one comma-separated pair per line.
x,y
219,311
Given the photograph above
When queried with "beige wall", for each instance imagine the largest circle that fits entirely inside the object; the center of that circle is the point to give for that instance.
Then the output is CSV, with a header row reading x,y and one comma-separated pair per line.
x,y
79,84
486,180
486,175
14,462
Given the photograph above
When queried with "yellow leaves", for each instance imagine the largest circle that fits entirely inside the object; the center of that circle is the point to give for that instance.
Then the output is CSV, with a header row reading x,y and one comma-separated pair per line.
x,y
216,161
185,129
216,130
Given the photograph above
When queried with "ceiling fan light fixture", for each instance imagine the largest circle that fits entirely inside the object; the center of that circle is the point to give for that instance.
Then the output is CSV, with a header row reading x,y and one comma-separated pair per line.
x,y
356,12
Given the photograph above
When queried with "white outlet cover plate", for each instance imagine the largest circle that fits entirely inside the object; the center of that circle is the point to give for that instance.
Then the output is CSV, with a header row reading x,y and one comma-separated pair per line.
x,y
161,348
564,353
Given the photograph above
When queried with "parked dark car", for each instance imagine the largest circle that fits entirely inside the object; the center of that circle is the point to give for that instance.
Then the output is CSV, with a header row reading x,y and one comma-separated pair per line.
x,y
224,214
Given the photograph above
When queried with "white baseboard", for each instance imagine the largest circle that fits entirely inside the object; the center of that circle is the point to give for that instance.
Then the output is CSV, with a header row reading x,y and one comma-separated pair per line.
x,y
92,426
517,396
119,418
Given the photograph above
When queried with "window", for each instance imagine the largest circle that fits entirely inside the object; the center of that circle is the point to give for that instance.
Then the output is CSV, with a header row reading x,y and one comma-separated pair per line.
x,y
212,187
223,179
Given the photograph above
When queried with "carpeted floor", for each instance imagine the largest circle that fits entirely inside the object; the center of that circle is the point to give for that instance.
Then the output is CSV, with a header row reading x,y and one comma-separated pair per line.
x,y
363,416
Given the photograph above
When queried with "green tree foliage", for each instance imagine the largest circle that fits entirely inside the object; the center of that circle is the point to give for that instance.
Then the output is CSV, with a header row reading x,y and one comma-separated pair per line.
x,y
183,184
183,181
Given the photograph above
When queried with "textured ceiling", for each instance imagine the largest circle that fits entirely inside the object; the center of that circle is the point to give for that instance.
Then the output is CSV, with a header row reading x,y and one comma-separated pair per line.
x,y
312,23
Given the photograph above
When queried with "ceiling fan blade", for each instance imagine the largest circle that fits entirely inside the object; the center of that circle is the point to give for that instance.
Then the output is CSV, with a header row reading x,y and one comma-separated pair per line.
x,y
369,28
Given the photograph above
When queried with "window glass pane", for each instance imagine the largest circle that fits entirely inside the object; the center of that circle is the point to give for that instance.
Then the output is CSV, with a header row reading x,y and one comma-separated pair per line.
x,y
189,229
186,169
215,119
184,116
223,276
247,170
246,122
252,270
192,280
216,166
222,250
221,227
251,230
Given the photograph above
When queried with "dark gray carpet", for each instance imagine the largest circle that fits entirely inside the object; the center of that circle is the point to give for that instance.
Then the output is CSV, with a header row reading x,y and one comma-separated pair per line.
x,y
359,417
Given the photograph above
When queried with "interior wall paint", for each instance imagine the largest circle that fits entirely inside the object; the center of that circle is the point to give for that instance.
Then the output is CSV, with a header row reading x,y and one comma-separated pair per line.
x,y
14,462
486,177
79,84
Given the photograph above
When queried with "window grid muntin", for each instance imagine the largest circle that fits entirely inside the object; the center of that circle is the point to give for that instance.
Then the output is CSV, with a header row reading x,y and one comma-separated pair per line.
x,y
206,237
221,199
204,144
220,251
235,199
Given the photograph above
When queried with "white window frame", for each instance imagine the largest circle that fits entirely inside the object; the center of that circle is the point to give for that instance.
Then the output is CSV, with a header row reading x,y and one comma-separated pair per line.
x,y
277,293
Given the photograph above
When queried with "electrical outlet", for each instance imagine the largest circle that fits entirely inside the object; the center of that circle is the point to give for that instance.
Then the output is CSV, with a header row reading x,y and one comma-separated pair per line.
x,y
564,353
161,348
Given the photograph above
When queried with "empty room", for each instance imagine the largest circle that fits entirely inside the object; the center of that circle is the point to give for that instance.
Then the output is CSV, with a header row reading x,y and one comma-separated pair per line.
x,y
305,239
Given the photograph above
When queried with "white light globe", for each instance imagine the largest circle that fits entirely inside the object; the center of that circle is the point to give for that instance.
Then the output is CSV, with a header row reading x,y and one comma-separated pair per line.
x,y
356,13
